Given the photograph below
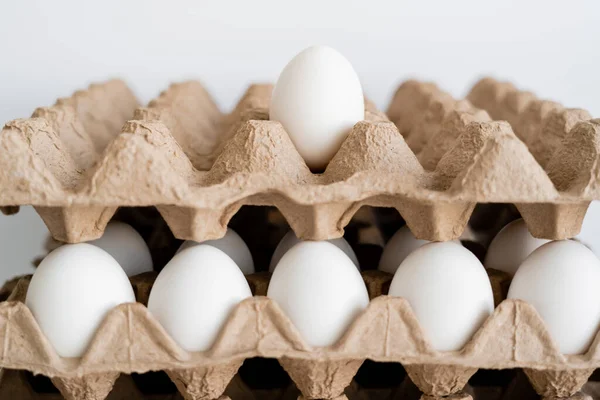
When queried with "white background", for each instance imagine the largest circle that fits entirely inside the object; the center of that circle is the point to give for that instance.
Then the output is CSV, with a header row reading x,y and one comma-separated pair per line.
x,y
50,48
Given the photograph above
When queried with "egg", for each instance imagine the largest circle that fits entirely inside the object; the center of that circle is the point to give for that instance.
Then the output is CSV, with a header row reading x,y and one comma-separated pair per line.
x,y
448,290
290,240
127,246
561,280
398,248
510,247
318,98
194,295
72,291
232,245
319,288
590,229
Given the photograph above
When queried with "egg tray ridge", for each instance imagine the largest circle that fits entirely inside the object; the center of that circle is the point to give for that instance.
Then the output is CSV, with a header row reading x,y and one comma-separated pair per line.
x,y
131,340
16,384
87,155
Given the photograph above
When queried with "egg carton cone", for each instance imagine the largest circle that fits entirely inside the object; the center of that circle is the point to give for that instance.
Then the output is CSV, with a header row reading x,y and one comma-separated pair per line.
x,y
433,160
19,385
130,340
16,385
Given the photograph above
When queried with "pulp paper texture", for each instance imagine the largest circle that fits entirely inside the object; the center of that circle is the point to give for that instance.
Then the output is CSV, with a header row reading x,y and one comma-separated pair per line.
x,y
17,385
81,159
131,340
78,161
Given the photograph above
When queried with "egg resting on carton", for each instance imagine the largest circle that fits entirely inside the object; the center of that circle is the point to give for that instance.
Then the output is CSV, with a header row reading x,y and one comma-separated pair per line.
x,y
317,98
482,161
131,340
199,166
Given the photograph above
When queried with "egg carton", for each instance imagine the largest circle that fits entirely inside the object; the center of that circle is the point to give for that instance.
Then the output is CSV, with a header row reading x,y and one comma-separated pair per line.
x,y
130,340
76,162
24,386
76,165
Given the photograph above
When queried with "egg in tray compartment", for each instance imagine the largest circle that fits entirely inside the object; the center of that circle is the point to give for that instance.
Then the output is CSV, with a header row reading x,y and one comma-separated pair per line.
x,y
431,157
196,260
320,323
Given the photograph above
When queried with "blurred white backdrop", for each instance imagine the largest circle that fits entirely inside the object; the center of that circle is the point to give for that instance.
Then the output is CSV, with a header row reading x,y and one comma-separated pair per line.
x,y
51,48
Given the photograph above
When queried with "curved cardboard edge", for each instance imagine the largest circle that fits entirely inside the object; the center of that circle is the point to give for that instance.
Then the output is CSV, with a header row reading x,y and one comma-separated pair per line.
x,y
262,146
410,102
131,340
142,163
542,125
574,165
23,173
151,160
381,149
146,165
503,166
451,127
90,119
193,118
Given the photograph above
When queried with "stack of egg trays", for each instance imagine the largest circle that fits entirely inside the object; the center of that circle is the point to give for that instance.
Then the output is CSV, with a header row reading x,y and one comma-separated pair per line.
x,y
79,160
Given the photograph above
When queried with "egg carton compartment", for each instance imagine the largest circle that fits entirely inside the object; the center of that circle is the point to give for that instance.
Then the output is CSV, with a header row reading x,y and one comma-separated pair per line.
x,y
84,157
484,385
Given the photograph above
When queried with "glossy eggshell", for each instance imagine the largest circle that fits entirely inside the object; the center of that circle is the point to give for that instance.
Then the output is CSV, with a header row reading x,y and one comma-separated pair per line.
x,y
318,98
561,280
194,295
398,248
290,240
127,246
510,247
232,245
72,291
448,290
320,290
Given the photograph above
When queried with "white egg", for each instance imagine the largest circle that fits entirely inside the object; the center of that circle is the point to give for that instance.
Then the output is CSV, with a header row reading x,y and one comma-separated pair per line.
x,y
590,230
290,240
510,247
318,99
320,290
194,295
398,248
127,246
448,290
232,245
561,280
72,291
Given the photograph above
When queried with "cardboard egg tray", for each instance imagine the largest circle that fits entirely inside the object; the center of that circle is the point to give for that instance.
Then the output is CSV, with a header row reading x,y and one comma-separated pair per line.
x,y
131,341
84,157
80,160
155,386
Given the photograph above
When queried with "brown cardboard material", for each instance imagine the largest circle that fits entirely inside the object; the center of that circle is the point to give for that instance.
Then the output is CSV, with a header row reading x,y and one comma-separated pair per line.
x,y
449,380
199,166
87,387
15,386
130,340
207,382
558,384
81,159
321,379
